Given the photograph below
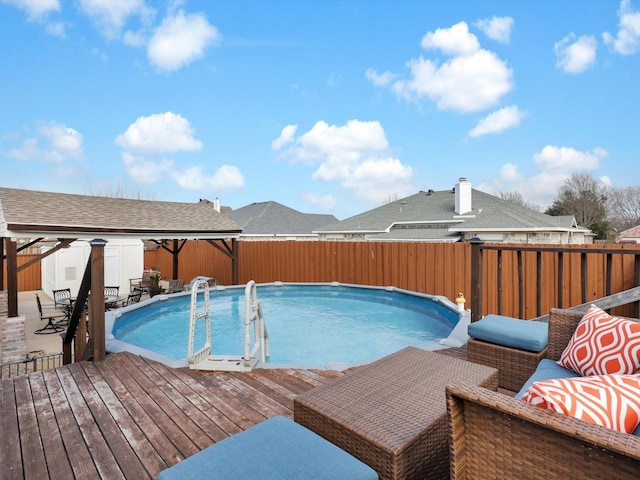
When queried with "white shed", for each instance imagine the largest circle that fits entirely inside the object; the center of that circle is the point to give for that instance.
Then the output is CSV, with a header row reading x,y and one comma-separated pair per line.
x,y
123,259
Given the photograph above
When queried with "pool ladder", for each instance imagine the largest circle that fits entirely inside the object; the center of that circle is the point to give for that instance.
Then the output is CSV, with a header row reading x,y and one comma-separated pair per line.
x,y
203,360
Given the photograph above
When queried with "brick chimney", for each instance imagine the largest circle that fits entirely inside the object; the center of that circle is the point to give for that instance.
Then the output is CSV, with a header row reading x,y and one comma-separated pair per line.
x,y
463,196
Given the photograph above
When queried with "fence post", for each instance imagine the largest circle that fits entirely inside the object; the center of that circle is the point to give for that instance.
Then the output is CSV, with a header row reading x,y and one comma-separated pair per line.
x,y
476,279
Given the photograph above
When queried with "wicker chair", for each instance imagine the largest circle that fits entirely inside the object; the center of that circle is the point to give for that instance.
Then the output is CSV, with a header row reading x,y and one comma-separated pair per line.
x,y
494,436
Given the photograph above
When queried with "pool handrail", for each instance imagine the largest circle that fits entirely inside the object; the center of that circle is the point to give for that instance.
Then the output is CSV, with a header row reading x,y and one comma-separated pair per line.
x,y
253,314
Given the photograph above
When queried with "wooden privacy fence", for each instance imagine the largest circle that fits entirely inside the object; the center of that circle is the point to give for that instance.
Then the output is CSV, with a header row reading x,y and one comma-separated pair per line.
x,y
522,281
31,277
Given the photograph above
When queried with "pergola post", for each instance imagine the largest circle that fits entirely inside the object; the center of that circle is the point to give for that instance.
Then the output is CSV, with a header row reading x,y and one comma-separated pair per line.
x,y
12,276
175,254
234,260
96,301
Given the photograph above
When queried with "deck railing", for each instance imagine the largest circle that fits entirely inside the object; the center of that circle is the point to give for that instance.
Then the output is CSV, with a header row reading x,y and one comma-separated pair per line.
x,y
34,364
526,281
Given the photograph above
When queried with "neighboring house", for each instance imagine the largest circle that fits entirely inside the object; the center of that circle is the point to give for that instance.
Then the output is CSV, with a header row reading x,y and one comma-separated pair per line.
x,y
457,215
631,235
274,221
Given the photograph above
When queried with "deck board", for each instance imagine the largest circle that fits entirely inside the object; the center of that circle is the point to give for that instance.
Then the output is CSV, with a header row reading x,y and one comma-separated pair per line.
x,y
131,417
10,453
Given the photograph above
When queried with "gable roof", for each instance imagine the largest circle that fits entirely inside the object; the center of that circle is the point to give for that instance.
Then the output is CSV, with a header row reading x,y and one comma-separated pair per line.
x,y
28,213
273,218
425,215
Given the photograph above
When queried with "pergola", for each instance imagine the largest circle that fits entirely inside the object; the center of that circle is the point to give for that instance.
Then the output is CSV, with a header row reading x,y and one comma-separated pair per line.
x,y
34,216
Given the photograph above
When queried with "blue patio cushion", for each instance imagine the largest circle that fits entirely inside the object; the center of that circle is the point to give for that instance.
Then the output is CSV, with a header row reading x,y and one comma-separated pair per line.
x,y
277,448
547,369
511,332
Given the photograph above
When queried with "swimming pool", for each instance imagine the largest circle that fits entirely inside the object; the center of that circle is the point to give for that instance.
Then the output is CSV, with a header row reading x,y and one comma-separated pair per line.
x,y
319,325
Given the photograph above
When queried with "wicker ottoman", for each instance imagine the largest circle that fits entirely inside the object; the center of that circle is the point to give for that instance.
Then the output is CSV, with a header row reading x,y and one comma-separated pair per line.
x,y
392,413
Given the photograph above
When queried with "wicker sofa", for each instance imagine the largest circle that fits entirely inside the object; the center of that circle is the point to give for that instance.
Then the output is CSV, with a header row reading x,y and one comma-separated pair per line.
x,y
493,435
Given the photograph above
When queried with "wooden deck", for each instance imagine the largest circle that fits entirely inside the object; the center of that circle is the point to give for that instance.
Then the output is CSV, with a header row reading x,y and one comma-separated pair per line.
x,y
130,417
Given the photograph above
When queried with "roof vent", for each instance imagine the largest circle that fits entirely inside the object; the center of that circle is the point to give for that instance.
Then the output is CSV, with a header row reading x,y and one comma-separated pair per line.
x,y
430,191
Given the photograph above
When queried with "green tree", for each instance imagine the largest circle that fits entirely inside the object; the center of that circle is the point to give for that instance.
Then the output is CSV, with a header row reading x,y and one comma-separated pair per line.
x,y
585,198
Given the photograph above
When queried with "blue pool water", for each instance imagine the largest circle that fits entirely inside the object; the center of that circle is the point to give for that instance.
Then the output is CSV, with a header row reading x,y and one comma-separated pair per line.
x,y
308,325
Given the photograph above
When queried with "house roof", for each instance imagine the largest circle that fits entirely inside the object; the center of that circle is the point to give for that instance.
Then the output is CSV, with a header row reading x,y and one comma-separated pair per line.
x,y
433,213
273,218
27,213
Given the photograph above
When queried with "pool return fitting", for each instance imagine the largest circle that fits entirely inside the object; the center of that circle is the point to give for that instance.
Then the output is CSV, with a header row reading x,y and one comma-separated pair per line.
x,y
203,359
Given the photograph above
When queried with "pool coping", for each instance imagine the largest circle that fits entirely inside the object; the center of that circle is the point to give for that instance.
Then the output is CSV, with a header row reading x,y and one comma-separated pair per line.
x,y
456,338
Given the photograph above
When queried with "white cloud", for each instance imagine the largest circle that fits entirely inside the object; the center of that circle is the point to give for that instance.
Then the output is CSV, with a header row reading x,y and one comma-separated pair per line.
x,y
453,41
575,55
538,189
566,159
509,172
606,181
159,133
144,170
180,40
468,83
355,155
379,79
110,17
146,142
556,164
54,143
226,178
473,79
496,28
55,29
498,121
627,40
286,136
36,10
325,202
134,39
39,11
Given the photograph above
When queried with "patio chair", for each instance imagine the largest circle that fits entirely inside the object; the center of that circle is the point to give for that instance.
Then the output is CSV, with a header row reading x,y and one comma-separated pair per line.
x,y
176,286
142,284
131,299
53,317
111,292
62,298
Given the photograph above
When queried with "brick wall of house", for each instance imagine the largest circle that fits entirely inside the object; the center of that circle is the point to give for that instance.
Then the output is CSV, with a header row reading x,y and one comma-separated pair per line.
x,y
13,345
630,234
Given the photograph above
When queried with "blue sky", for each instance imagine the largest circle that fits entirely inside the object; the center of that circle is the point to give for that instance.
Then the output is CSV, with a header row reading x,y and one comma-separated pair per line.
x,y
324,106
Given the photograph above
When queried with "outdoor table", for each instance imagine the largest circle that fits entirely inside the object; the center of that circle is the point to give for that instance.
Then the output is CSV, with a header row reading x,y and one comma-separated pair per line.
x,y
111,301
392,413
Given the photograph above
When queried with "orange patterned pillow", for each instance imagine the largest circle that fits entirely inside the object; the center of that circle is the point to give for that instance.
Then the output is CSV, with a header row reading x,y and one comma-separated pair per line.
x,y
603,345
612,401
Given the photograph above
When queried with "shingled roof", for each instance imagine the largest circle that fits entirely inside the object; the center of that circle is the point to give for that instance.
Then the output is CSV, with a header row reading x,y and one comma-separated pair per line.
x,y
274,219
27,213
431,216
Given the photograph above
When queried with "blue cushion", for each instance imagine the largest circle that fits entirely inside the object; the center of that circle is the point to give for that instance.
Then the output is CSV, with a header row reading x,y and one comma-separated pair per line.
x,y
511,332
546,370
277,448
